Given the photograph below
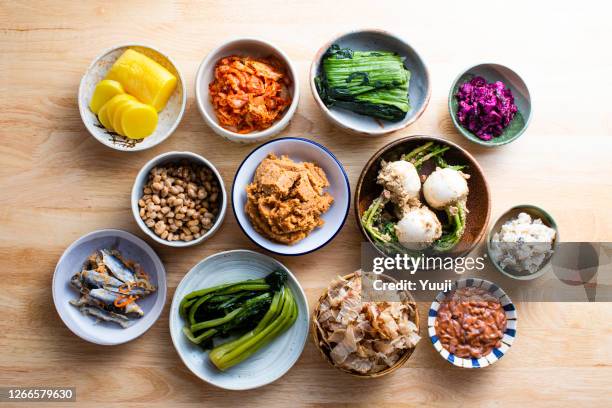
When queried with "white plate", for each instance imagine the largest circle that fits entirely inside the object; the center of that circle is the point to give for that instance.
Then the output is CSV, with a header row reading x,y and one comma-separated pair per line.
x,y
268,364
131,247
299,150
169,117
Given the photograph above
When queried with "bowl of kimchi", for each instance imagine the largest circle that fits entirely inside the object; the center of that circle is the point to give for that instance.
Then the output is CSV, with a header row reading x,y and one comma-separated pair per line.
x,y
247,90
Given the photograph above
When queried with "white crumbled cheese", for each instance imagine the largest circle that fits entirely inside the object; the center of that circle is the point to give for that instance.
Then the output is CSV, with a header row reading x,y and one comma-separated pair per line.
x,y
522,245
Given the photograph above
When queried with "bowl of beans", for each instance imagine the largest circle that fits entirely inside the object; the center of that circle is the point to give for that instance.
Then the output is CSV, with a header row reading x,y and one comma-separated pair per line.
x,y
473,324
179,199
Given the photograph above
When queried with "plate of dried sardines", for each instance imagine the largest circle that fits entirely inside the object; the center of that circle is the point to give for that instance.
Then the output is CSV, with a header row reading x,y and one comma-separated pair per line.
x,y
109,287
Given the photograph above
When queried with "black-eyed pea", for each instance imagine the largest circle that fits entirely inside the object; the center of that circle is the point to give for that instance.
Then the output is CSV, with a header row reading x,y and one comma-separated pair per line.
x,y
170,221
150,223
181,195
157,186
147,190
170,214
174,190
178,223
182,236
190,212
194,229
183,209
165,210
170,200
179,216
188,238
177,202
197,235
164,234
141,203
156,199
173,228
193,222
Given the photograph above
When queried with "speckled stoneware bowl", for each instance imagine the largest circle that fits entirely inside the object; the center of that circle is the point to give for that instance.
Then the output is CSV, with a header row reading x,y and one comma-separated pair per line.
x,y
253,47
479,198
506,341
512,213
71,262
371,40
169,117
522,99
267,364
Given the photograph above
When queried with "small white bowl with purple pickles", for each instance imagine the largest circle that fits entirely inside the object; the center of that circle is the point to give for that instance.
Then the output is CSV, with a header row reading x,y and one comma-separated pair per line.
x,y
480,118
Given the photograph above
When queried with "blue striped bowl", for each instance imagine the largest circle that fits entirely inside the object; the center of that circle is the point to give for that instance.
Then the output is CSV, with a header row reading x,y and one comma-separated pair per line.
x,y
509,334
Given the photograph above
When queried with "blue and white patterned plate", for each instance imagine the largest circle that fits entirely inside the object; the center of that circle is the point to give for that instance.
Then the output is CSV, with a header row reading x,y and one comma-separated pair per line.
x,y
507,339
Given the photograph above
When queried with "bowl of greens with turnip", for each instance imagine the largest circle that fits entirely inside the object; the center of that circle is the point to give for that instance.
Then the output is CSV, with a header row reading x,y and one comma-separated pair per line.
x,y
370,82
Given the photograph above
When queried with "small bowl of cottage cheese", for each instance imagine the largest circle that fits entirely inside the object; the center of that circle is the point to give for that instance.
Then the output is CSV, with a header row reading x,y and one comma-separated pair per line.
x,y
522,242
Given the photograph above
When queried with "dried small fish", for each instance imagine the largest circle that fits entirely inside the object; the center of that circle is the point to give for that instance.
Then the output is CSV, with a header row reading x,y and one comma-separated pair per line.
x,y
111,299
117,267
109,287
105,315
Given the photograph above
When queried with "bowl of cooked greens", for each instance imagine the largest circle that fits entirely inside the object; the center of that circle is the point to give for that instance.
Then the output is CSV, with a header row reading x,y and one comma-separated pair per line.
x,y
239,320
423,195
369,82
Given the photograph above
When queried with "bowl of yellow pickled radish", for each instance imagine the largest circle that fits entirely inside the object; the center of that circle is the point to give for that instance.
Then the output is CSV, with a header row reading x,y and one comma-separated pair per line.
x,y
132,97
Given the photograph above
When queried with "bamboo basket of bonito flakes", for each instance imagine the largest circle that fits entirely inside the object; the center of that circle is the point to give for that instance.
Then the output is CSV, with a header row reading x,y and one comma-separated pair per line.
x,y
366,339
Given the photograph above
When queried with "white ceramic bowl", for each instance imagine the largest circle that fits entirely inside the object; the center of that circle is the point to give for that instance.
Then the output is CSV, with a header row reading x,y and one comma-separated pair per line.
x,y
299,150
169,117
419,89
251,47
143,176
72,260
269,363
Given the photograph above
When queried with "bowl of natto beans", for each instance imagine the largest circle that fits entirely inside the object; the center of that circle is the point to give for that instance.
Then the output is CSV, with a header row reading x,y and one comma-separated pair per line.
x,y
179,199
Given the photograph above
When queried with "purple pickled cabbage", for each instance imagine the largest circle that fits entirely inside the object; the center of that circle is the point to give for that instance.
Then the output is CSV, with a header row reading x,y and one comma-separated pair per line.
x,y
485,109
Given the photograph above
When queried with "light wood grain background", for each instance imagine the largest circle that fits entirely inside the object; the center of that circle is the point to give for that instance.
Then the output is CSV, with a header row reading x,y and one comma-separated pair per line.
x,y
57,183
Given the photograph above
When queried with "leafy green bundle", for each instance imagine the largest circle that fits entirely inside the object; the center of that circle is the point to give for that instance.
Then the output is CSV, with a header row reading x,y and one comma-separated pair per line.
x,y
257,310
372,83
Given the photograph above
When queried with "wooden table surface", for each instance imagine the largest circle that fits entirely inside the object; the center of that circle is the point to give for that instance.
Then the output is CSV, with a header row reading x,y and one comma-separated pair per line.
x,y
59,183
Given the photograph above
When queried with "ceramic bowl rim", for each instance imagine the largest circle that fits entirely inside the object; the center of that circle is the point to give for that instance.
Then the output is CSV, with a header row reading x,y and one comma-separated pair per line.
x,y
142,174
253,137
249,252
136,148
316,62
432,316
549,222
342,170
469,135
399,141
161,282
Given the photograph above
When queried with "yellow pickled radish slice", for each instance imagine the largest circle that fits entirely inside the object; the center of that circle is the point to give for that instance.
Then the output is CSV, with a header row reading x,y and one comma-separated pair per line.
x,y
103,93
103,117
118,112
114,103
144,78
139,121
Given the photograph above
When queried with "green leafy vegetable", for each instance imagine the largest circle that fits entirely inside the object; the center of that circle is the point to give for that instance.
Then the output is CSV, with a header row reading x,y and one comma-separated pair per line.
x,y
257,310
373,83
